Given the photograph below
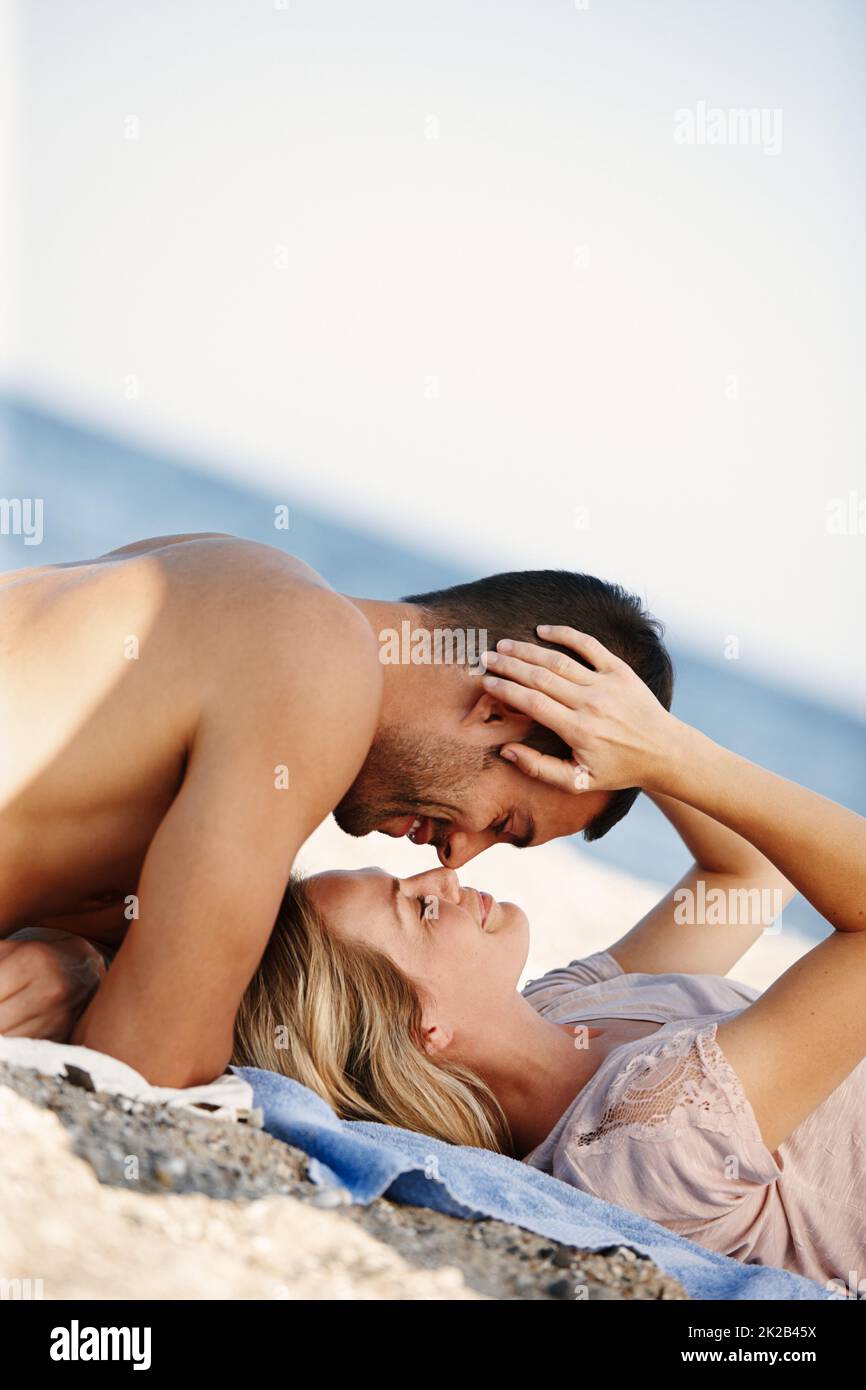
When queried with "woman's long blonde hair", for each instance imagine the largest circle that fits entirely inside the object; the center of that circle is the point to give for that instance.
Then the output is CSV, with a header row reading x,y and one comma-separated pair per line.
x,y
339,1016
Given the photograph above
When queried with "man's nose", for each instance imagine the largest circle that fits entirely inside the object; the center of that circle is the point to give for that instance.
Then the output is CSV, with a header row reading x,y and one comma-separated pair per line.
x,y
461,846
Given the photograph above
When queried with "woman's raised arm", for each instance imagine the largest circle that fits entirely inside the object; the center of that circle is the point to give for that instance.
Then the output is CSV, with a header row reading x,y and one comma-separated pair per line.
x,y
723,903
807,1032
798,1042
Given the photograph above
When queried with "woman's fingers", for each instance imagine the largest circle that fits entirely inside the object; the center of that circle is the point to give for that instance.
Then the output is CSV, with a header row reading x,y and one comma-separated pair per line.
x,y
542,678
545,658
533,703
588,647
555,772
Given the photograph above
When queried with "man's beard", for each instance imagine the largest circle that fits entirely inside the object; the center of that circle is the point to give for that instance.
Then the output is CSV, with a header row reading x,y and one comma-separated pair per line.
x,y
404,772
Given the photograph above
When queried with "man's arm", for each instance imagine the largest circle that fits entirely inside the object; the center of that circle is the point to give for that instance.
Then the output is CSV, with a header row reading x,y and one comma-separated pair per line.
x,y
279,747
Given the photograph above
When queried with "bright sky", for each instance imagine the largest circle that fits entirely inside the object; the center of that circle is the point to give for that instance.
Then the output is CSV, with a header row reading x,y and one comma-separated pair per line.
x,y
444,271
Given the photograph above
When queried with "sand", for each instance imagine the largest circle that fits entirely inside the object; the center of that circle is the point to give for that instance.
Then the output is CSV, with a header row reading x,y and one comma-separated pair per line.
x,y
108,1198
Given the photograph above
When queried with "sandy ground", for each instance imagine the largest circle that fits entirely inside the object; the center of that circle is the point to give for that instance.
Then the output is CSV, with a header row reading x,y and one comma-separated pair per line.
x,y
110,1198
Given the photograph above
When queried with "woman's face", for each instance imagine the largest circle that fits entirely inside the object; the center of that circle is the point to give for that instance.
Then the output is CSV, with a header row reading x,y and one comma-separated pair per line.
x,y
462,948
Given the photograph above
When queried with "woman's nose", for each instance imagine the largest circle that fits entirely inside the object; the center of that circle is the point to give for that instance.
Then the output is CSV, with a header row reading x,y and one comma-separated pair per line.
x,y
446,883
443,882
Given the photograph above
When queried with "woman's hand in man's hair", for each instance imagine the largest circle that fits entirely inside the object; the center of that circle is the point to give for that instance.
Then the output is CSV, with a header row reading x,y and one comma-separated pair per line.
x,y
618,732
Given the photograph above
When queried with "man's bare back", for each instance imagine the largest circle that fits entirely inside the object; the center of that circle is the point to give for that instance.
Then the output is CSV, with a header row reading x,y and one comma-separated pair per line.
x,y
149,698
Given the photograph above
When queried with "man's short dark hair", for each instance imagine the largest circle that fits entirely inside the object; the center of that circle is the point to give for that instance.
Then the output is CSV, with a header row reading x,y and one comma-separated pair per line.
x,y
511,605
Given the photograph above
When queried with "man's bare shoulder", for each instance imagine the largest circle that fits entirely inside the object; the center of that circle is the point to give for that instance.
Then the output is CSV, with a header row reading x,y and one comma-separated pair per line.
x,y
266,599
220,587
296,671
255,618
187,565
214,553
264,632
317,647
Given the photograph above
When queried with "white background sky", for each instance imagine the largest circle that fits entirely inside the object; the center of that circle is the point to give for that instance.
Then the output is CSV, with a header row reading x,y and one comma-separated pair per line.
x,y
403,329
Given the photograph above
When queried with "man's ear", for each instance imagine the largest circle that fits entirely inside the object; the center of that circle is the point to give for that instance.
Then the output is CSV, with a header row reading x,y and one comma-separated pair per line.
x,y
490,716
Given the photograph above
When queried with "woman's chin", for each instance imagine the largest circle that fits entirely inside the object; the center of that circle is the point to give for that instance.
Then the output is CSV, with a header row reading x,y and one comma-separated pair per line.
x,y
505,917
516,928
512,922
516,917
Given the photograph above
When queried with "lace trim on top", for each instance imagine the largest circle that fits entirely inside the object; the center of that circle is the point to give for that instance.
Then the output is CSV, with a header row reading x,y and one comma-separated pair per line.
x,y
688,1081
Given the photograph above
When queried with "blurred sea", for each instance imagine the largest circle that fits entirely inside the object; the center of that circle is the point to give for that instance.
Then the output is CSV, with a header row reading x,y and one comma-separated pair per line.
x,y
101,491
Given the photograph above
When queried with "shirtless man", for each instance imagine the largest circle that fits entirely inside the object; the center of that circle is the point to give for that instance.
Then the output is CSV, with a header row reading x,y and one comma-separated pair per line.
x,y
179,715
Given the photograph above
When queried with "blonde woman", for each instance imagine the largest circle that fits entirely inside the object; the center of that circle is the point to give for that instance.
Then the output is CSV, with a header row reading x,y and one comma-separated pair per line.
x,y
639,1074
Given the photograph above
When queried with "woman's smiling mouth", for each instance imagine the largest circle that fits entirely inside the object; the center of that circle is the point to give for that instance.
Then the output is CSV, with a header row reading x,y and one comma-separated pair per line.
x,y
486,902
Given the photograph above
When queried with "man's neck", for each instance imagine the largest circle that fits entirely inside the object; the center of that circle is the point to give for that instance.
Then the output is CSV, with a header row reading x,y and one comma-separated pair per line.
x,y
384,616
408,679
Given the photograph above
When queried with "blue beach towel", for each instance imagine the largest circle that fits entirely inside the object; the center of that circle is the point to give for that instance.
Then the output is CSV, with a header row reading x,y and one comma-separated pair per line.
x,y
372,1160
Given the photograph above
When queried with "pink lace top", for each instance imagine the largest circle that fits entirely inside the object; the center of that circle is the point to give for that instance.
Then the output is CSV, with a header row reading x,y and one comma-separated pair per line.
x,y
665,1129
